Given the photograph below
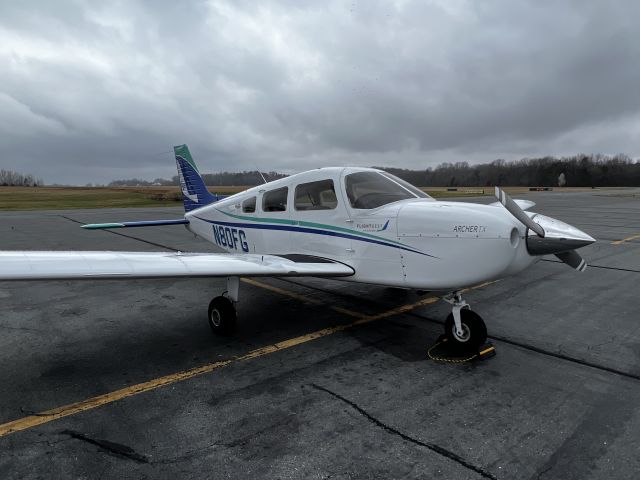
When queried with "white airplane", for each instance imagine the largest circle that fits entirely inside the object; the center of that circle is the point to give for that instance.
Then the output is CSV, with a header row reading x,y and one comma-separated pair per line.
x,y
358,224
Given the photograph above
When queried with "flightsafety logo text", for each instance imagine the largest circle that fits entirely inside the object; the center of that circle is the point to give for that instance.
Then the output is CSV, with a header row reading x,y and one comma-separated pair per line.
x,y
231,238
372,227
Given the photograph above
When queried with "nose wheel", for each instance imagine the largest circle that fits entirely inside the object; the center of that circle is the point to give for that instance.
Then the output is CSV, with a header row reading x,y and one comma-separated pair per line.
x,y
463,327
473,331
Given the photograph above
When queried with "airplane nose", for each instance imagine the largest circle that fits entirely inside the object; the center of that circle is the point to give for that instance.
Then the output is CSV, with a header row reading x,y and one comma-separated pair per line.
x,y
559,237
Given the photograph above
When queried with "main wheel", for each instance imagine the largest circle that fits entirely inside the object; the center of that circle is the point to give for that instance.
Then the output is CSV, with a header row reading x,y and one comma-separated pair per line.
x,y
474,331
222,316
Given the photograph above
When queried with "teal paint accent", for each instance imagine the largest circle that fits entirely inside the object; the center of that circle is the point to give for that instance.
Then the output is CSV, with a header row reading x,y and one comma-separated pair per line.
x,y
183,151
97,226
314,225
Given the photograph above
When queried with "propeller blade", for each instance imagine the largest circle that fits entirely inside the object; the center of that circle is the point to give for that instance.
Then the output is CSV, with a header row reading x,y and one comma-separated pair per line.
x,y
517,212
573,259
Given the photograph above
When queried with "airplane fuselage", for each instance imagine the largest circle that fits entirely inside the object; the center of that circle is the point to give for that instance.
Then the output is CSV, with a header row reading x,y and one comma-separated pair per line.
x,y
414,242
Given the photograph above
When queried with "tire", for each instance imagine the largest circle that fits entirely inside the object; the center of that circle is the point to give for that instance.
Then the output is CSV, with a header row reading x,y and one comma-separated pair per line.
x,y
473,327
222,316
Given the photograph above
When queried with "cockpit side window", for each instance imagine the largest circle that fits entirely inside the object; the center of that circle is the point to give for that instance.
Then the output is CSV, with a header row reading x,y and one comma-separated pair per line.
x,y
275,200
249,205
320,195
367,190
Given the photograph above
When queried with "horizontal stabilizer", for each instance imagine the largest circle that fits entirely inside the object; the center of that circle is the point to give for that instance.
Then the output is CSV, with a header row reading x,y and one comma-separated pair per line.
x,y
30,265
145,223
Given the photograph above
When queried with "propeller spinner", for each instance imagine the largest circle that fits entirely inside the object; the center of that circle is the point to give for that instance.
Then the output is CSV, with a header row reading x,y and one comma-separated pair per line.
x,y
546,235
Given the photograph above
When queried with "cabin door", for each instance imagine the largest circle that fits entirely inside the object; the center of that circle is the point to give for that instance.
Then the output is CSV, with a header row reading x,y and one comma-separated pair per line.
x,y
321,222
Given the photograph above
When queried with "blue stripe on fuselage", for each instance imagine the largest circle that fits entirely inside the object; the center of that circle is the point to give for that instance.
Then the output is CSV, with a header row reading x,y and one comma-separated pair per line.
x,y
292,228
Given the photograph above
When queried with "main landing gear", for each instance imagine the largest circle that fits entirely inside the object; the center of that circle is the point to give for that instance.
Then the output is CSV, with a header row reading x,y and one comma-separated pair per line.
x,y
464,331
222,310
463,328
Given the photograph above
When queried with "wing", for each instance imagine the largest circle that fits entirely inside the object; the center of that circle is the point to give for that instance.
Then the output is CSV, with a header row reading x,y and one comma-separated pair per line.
x,y
29,265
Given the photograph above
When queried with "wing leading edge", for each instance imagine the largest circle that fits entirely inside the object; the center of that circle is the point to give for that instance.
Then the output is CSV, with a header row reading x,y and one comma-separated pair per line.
x,y
41,265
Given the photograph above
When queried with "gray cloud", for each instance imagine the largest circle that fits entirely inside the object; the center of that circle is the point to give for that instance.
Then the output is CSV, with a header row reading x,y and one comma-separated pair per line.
x,y
93,92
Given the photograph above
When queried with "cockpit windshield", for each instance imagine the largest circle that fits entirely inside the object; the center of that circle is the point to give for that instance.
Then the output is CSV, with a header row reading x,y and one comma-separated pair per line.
x,y
367,190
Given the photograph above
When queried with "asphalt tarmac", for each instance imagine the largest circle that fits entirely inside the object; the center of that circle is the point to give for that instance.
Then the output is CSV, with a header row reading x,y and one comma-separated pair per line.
x,y
123,379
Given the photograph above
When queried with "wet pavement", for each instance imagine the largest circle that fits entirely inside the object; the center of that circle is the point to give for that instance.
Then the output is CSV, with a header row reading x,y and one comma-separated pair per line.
x,y
561,399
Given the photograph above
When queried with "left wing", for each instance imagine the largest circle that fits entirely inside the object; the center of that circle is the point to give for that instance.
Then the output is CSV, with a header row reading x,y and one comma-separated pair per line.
x,y
37,265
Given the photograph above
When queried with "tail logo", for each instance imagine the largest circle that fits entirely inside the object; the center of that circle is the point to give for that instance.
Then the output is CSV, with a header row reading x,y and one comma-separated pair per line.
x,y
194,191
183,185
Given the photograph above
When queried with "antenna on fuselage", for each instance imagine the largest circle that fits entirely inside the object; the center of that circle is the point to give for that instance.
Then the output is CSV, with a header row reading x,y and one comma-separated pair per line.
x,y
263,179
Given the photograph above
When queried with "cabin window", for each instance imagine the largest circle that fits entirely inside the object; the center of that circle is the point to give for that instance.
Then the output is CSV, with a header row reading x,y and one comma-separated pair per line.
x,y
275,200
373,189
249,205
320,195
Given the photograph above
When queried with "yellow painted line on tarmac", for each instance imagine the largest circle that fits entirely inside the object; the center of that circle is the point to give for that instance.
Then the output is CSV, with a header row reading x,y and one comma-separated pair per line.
x,y
347,312
302,298
107,398
351,313
344,311
632,237
481,285
281,291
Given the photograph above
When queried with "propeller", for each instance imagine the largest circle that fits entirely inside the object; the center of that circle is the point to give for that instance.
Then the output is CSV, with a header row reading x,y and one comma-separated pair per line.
x,y
573,259
552,236
517,212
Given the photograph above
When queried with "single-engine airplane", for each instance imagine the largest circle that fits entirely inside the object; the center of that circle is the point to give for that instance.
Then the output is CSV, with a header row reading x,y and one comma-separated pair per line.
x,y
358,224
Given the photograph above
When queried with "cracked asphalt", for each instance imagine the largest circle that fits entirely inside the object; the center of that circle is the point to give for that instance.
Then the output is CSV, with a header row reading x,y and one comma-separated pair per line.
x,y
560,400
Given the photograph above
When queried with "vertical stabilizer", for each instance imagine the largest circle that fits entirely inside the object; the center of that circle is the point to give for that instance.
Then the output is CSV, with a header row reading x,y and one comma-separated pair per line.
x,y
194,191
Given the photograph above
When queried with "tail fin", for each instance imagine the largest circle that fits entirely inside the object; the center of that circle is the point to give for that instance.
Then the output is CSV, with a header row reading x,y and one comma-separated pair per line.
x,y
194,191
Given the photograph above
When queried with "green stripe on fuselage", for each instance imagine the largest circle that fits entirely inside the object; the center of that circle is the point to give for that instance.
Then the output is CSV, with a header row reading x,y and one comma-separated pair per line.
x,y
302,223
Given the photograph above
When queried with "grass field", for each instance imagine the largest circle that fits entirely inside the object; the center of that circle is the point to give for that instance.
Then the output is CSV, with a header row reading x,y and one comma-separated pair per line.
x,y
53,198
59,198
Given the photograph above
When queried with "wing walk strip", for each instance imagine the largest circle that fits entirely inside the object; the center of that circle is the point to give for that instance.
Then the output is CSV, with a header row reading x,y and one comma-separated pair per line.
x,y
107,398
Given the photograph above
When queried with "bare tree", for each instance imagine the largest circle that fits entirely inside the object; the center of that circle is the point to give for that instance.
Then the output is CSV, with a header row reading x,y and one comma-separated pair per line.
x,y
9,178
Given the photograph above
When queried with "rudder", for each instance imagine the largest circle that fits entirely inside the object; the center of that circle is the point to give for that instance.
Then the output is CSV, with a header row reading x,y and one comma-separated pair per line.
x,y
194,192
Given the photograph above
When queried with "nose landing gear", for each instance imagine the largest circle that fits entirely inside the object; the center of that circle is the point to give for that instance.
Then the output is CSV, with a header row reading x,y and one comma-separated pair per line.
x,y
463,327
465,335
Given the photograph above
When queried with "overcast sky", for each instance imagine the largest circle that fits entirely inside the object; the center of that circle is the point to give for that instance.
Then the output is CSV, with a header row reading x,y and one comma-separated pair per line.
x,y
94,91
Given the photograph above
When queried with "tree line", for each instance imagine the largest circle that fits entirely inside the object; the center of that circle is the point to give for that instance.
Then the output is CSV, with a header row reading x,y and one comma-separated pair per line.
x,y
575,171
246,178
9,178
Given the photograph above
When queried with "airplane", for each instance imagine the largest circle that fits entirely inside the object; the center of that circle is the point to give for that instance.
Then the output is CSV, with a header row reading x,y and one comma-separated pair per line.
x,y
350,223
